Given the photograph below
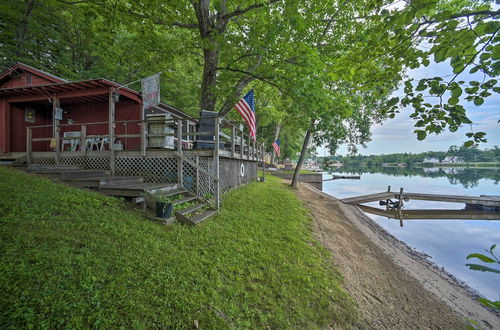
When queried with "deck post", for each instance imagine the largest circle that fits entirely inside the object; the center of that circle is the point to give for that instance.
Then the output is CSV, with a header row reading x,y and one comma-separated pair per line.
x,y
180,176
253,149
143,132
248,153
111,130
55,128
197,160
242,145
29,134
216,164
83,139
400,206
233,141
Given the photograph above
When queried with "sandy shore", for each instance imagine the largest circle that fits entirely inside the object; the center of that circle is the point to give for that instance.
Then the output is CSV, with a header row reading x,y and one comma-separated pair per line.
x,y
394,286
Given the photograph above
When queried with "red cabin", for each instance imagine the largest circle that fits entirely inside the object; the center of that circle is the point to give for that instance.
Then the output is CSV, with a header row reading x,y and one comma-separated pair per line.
x,y
58,109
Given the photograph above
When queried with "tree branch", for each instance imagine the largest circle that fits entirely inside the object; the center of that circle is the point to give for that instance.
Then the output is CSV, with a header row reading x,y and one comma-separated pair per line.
x,y
162,22
239,12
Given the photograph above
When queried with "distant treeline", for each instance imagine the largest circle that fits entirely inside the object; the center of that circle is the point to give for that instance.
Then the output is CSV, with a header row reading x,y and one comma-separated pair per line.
x,y
467,177
465,154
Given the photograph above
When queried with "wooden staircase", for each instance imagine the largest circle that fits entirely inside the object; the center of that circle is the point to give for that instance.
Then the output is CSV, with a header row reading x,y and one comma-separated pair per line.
x,y
188,209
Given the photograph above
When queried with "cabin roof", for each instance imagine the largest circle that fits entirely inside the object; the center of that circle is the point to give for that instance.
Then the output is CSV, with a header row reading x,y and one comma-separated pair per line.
x,y
71,92
7,74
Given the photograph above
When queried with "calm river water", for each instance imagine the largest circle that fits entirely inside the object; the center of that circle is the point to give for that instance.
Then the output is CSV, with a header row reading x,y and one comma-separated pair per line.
x,y
447,242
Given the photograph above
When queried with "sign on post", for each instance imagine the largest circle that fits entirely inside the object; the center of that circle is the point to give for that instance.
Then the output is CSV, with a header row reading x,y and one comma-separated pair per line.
x,y
151,91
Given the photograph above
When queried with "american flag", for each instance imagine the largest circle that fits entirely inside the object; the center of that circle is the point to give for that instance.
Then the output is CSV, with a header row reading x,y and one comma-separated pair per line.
x,y
276,146
246,108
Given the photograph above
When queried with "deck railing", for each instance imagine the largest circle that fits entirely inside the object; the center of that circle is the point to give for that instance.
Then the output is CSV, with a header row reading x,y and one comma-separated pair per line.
x,y
229,140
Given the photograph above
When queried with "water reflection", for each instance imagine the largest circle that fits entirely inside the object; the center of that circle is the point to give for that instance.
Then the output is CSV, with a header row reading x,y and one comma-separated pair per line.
x,y
468,177
446,241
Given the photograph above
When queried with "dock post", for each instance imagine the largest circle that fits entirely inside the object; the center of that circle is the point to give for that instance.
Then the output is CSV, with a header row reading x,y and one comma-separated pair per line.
x,y
387,200
400,206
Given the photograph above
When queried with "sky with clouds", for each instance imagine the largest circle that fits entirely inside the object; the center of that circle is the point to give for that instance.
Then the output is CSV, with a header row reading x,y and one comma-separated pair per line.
x,y
396,135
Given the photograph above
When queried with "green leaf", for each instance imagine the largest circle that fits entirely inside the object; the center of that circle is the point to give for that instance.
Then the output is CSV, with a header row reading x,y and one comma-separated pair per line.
x,y
482,257
469,144
440,55
482,268
420,134
478,101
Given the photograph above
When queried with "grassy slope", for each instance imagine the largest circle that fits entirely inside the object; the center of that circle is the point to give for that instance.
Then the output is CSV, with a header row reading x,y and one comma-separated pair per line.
x,y
76,258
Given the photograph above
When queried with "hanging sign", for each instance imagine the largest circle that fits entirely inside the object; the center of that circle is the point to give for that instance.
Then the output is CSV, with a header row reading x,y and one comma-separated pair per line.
x,y
151,91
29,115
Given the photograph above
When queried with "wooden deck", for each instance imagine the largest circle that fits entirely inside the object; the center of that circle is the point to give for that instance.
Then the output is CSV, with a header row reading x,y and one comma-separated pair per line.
x,y
492,201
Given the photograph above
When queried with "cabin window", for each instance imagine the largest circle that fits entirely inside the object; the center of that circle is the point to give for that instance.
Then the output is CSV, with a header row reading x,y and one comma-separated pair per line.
x,y
28,78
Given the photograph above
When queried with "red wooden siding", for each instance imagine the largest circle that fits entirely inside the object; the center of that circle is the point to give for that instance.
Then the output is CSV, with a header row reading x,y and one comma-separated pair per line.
x,y
4,127
79,113
43,116
23,79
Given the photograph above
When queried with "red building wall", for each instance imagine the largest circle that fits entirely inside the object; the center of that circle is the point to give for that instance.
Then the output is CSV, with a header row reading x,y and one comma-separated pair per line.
x,y
25,79
83,113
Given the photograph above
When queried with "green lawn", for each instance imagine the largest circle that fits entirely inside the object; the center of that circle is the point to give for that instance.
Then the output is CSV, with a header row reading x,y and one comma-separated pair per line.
x,y
73,258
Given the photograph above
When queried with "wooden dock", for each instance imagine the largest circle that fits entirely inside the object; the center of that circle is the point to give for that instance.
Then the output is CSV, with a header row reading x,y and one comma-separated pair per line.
x,y
490,201
432,214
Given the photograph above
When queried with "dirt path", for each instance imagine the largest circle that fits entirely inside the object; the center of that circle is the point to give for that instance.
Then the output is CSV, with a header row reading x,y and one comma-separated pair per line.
x,y
395,287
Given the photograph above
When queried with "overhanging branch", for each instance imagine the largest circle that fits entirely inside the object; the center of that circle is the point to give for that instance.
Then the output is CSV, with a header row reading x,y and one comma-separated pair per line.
x,y
239,12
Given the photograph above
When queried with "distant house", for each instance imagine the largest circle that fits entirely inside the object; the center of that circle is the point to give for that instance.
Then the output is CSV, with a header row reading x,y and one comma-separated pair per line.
x,y
452,159
430,160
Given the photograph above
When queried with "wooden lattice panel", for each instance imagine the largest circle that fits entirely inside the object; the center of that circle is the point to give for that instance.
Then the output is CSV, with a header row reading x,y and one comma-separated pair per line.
x,y
153,169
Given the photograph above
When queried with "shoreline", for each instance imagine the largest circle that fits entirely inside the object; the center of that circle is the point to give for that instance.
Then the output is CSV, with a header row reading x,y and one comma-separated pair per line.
x,y
330,214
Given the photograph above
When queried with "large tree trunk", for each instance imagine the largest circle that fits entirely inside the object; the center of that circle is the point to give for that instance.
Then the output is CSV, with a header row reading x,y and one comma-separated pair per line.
x,y
302,155
276,135
209,80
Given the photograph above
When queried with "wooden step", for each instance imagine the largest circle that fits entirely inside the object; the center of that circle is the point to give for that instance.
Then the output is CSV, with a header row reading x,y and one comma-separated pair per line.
x,y
135,190
158,193
201,217
172,192
101,181
184,200
76,174
51,168
192,208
